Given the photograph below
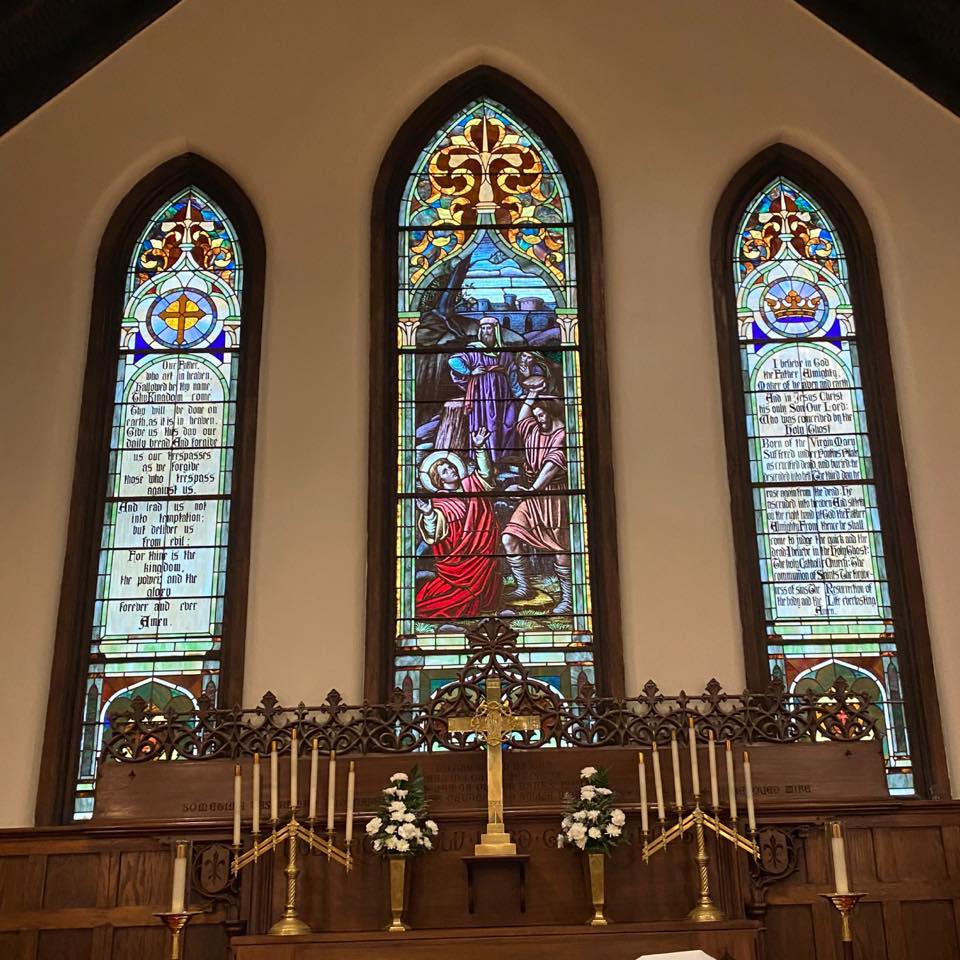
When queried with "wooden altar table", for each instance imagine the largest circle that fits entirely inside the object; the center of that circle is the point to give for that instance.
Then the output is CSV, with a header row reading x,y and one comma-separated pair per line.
x,y
728,939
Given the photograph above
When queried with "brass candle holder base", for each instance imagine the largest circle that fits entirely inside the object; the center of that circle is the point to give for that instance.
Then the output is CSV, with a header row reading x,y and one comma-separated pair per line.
x,y
845,903
175,922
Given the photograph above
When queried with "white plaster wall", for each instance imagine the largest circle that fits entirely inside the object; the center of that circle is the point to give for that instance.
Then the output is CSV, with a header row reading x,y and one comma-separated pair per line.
x,y
298,101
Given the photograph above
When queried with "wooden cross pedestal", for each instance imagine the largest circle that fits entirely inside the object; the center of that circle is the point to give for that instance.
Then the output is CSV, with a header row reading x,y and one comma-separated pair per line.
x,y
491,721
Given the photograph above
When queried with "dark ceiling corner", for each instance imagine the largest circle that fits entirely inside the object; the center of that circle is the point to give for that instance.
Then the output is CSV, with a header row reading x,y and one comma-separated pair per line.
x,y
919,39
47,44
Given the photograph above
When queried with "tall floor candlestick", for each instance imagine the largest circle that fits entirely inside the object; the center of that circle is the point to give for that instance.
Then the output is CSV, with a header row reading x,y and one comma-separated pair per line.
x,y
179,877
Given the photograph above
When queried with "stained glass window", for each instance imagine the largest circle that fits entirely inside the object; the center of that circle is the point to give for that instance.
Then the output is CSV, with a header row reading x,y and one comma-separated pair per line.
x,y
491,510
823,568
159,606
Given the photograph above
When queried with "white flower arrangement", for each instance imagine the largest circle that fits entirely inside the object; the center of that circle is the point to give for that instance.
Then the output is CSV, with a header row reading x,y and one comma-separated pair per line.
x,y
591,822
401,827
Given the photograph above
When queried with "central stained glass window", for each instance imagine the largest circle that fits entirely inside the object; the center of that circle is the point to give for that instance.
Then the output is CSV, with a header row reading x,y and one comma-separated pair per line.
x,y
491,486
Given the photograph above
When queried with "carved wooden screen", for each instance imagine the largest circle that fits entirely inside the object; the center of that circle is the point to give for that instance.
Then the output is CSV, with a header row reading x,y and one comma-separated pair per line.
x,y
814,447
492,484
174,367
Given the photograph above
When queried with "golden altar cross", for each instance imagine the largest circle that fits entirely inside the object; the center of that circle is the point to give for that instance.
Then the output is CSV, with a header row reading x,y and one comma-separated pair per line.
x,y
491,721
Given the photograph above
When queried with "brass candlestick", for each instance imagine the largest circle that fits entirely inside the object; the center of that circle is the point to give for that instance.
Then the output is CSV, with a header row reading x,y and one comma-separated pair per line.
x,y
697,820
290,923
175,922
846,903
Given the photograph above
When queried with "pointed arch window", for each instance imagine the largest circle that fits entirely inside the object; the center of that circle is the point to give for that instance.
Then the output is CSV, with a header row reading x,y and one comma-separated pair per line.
x,y
163,503
493,339
828,571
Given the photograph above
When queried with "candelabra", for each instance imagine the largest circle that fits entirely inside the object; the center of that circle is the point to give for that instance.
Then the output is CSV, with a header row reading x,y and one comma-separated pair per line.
x,y
698,820
291,833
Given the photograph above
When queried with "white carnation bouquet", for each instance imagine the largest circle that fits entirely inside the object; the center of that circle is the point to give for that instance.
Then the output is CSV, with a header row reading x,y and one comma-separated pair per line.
x,y
591,822
401,827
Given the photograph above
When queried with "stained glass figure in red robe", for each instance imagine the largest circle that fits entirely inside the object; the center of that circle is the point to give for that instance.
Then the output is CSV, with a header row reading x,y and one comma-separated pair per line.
x,y
463,533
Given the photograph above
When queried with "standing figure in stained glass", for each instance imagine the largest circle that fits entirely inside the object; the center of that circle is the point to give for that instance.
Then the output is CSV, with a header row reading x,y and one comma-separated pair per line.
x,y
489,378
540,522
463,533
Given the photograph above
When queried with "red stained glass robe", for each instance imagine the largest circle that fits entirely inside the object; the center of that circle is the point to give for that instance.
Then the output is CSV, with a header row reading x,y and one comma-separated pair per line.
x,y
465,545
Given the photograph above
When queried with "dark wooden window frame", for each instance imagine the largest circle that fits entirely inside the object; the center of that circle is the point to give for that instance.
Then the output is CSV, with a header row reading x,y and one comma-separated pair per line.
x,y
883,424
60,753
381,516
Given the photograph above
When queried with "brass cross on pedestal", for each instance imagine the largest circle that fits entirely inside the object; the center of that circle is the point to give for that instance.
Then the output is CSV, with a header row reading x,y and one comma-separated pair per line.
x,y
491,721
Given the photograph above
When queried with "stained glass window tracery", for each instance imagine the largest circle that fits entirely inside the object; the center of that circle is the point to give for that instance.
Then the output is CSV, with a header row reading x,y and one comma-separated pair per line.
x,y
491,506
158,614
822,558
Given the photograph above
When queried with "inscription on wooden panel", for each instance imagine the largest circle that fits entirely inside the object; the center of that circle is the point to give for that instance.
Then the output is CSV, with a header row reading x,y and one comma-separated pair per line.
x,y
534,780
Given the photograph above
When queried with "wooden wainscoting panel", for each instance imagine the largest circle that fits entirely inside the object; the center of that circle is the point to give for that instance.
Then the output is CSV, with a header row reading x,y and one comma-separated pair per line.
x,y
790,933
144,878
21,882
910,853
71,881
869,932
861,858
930,930
13,946
951,849
206,942
893,927
144,943
61,944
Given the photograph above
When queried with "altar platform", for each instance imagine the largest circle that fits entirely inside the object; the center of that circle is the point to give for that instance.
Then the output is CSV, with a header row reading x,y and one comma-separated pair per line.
x,y
725,940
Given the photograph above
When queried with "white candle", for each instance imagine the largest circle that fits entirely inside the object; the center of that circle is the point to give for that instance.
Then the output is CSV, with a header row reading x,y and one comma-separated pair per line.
x,y
675,756
731,782
644,812
714,786
274,805
331,788
237,787
658,783
294,769
694,760
179,878
839,859
255,826
314,763
351,784
748,789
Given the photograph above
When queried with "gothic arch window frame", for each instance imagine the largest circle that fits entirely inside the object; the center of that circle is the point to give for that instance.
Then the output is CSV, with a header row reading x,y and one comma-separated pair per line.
x,y
883,427
394,171
61,746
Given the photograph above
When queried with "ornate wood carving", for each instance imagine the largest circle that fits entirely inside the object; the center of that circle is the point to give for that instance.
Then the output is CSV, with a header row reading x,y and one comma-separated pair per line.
x,y
781,847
